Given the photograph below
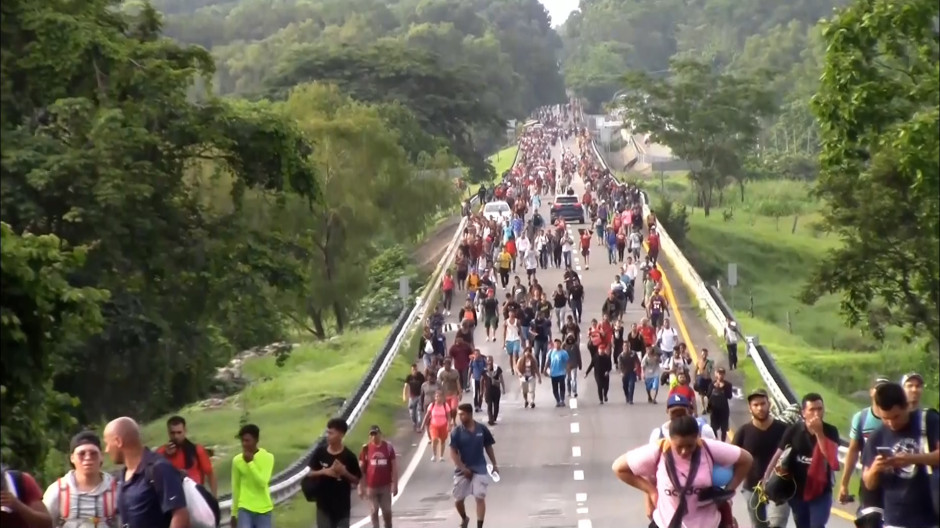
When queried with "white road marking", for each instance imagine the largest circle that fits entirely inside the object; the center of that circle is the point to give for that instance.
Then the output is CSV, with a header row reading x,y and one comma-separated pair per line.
x,y
575,428
585,523
578,474
578,268
576,451
580,497
573,403
582,511
405,477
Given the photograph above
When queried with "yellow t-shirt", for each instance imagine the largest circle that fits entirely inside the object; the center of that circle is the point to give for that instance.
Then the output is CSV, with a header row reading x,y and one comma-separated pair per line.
x,y
505,260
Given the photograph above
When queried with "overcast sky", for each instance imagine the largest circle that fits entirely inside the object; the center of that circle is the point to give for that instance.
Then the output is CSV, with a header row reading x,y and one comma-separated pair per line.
x,y
559,10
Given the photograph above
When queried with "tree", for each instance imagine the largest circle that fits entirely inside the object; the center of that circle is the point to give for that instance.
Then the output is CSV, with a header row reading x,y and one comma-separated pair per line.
x,y
712,120
877,108
106,146
446,101
373,190
41,317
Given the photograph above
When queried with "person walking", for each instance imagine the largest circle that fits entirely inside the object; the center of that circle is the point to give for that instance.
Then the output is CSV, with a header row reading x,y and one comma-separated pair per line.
x,y
557,369
378,464
469,442
601,364
335,469
573,349
760,437
529,375
140,503
251,474
86,495
493,388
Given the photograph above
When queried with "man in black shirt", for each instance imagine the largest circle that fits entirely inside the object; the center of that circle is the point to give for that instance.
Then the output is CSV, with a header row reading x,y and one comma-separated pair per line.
x,y
812,503
760,437
411,393
336,471
576,299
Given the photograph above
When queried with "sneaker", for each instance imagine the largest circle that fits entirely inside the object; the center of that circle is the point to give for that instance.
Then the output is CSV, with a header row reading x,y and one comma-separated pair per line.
x,y
433,458
526,405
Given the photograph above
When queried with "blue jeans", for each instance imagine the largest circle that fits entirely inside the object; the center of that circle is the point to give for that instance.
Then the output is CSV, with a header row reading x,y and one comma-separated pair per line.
x,y
247,519
629,385
572,381
811,514
541,353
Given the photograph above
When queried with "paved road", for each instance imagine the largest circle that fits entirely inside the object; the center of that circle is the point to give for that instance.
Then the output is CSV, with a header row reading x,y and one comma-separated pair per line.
x,y
555,462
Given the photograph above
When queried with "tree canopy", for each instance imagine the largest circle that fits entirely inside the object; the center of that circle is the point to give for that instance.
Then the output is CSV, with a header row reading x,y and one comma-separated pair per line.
x,y
151,229
879,113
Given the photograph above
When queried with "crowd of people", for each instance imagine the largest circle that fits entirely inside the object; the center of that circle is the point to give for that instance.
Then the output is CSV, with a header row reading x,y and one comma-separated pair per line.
x,y
688,470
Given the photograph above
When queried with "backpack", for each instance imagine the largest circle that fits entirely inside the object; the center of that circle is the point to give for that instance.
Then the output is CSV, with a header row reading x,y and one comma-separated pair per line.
x,y
203,508
109,498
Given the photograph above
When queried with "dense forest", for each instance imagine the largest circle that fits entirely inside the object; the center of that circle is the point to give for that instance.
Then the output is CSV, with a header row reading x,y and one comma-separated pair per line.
x,y
168,202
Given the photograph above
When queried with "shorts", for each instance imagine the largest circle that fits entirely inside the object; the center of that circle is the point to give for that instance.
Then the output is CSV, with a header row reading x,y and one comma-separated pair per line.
x,y
453,402
652,384
585,252
438,432
380,498
491,321
528,385
472,295
513,348
474,486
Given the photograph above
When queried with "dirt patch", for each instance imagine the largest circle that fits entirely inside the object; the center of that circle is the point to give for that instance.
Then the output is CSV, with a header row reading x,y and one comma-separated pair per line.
x,y
430,250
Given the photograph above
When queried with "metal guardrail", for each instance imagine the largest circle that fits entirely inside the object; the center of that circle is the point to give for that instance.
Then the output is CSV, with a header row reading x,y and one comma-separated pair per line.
x,y
286,484
781,393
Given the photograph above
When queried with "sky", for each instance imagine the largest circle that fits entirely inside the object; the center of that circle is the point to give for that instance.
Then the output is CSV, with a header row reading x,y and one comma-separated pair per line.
x,y
559,10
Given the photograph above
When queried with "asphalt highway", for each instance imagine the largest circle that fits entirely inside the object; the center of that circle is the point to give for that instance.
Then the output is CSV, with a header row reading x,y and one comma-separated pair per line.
x,y
554,462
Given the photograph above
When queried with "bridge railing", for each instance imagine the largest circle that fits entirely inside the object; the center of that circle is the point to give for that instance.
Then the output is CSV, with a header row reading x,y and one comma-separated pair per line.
x,y
286,484
717,314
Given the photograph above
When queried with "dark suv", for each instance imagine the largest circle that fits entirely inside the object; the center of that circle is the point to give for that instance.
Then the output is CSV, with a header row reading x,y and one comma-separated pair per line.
x,y
568,208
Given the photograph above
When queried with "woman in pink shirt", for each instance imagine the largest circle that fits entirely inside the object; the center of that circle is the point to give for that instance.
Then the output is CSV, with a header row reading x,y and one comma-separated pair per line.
x,y
644,468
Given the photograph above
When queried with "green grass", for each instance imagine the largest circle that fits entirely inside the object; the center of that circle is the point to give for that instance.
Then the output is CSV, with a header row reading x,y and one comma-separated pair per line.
x,y
382,410
811,344
502,161
290,404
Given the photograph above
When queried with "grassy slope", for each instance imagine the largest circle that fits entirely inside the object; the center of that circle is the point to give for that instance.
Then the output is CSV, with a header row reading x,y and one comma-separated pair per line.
x,y
820,354
313,384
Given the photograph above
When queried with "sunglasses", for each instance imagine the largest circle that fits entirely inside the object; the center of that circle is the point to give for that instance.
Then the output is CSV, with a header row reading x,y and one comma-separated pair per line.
x,y
87,453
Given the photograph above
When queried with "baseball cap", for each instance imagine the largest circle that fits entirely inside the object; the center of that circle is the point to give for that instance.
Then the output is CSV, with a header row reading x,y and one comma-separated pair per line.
x,y
757,393
84,438
912,376
375,430
879,380
678,400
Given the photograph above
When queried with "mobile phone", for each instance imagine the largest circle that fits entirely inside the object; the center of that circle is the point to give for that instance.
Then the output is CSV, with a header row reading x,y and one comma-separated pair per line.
x,y
885,451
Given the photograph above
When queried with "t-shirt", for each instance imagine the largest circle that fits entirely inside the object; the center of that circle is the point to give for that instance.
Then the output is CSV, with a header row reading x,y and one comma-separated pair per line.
x,y
477,366
333,493
490,307
668,339
200,468
762,445
428,390
27,491
907,500
648,461
376,462
414,382
471,445
657,303
628,362
557,363
803,444
683,390
651,367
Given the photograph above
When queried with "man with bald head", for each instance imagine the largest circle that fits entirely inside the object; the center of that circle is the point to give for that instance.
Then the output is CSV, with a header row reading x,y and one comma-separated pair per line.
x,y
151,494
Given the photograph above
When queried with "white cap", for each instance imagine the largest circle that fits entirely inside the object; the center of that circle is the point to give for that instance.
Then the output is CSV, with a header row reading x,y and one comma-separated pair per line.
x,y
732,323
